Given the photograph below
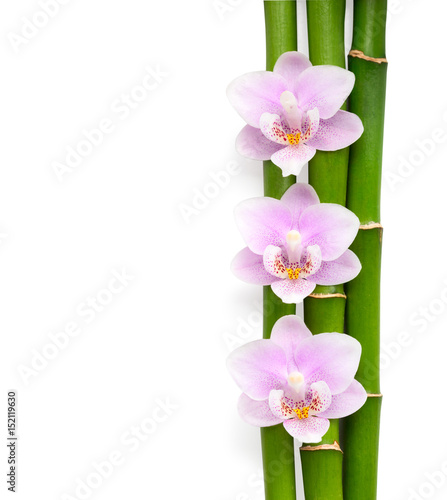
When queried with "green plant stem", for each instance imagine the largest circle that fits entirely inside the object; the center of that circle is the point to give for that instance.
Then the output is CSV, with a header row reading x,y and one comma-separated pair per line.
x,y
322,468
277,444
360,431
280,29
328,170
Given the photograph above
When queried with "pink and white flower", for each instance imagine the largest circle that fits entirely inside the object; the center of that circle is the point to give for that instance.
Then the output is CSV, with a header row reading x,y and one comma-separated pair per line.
x,y
295,243
298,379
294,110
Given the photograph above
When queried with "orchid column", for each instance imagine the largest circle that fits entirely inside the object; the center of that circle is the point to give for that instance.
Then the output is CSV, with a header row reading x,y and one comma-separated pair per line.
x,y
277,444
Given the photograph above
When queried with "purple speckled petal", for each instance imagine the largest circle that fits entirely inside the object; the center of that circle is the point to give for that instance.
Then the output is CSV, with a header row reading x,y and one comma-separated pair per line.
x,y
337,132
290,65
278,407
275,130
256,93
331,357
256,413
325,88
307,430
297,198
347,402
293,291
288,332
338,271
249,267
258,367
330,226
321,397
313,261
311,125
263,221
292,159
274,262
252,143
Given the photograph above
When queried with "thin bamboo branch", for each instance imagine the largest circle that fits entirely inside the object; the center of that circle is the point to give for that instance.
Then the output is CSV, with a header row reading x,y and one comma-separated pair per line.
x,y
325,310
368,62
277,444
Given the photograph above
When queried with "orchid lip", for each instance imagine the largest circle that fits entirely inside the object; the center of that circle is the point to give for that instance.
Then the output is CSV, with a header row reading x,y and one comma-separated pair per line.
x,y
293,274
302,413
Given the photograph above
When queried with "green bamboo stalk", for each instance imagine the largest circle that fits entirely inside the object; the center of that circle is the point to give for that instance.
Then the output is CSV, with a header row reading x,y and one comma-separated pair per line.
x,y
277,444
361,430
322,468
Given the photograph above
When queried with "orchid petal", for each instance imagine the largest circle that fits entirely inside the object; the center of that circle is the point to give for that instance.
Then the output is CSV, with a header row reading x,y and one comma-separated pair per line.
x,y
313,261
330,226
256,93
256,413
338,271
263,221
252,143
278,407
332,357
274,129
293,291
337,132
307,430
290,65
347,402
258,367
288,332
297,198
321,397
292,159
325,88
311,125
249,267
274,262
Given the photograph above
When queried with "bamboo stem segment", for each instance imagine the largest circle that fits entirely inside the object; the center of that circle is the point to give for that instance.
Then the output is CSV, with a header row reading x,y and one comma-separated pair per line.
x,y
322,462
277,444
324,310
367,60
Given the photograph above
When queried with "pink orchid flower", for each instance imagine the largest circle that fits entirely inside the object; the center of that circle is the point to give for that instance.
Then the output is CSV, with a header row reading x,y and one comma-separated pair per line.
x,y
295,243
294,110
298,379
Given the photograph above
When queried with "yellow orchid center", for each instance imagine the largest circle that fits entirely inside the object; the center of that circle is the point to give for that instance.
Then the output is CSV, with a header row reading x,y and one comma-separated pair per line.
x,y
302,413
294,138
294,274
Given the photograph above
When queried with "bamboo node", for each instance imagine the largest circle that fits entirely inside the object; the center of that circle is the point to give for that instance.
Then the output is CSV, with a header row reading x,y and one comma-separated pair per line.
x,y
361,55
327,295
371,225
335,446
375,395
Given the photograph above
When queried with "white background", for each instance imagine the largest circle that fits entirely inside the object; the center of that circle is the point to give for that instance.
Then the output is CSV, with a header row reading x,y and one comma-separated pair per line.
x,y
166,334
